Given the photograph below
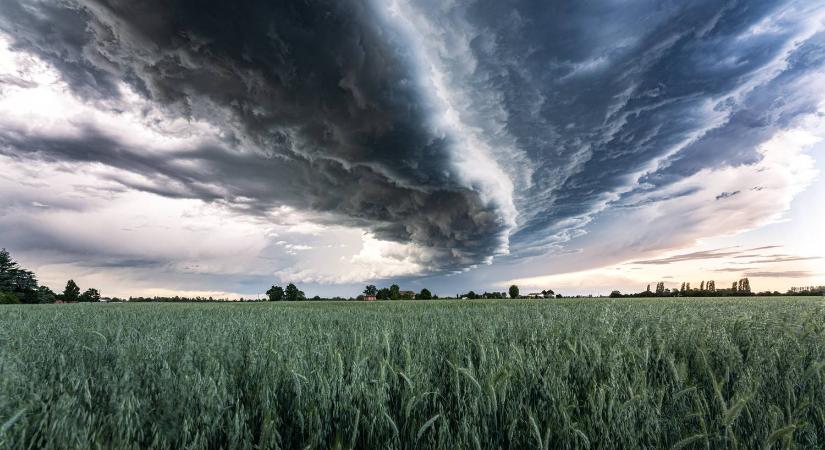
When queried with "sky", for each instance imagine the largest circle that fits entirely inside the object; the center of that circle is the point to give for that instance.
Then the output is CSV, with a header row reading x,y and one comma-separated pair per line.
x,y
175,147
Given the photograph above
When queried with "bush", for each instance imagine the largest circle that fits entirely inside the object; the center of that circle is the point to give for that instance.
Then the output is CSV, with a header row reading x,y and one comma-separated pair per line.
x,y
7,298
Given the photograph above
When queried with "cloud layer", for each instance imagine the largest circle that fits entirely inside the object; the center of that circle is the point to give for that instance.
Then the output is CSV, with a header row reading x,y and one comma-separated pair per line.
x,y
436,135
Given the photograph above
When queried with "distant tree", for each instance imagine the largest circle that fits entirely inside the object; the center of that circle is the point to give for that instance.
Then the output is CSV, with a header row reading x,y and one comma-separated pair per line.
x,y
71,293
734,287
16,280
275,293
91,295
371,290
660,288
702,286
292,293
615,294
648,289
683,290
711,286
745,286
395,292
425,294
45,295
383,294
513,291
687,287
8,272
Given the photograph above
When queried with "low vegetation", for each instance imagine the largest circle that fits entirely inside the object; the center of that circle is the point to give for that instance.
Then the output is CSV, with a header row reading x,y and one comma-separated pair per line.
x,y
595,373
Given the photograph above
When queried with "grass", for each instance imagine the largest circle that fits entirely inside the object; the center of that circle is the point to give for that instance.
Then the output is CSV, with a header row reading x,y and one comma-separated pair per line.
x,y
641,373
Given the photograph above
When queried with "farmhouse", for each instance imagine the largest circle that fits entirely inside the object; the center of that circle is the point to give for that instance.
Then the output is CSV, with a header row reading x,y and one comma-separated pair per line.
x,y
369,298
542,294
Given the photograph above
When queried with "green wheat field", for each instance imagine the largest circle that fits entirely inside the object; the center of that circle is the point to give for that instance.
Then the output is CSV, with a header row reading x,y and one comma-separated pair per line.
x,y
591,373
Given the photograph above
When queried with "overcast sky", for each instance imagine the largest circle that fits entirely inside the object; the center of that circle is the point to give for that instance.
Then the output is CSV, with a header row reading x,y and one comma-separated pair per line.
x,y
215,147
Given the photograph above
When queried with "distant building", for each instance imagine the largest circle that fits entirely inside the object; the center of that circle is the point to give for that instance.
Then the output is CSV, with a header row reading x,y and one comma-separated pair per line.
x,y
369,298
406,294
535,295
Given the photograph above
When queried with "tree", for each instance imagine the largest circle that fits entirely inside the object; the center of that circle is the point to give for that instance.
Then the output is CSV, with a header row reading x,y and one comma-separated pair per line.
x,y
16,280
702,286
660,288
513,291
745,286
648,289
615,294
734,287
45,295
383,294
293,294
275,293
8,272
91,295
395,292
371,290
71,293
425,294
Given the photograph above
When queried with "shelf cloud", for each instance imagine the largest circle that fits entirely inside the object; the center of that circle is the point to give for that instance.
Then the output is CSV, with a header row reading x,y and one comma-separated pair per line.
x,y
456,134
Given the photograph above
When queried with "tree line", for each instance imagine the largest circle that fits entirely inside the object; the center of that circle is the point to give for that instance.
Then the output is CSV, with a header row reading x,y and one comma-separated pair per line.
x,y
18,285
705,289
740,288
807,290
394,292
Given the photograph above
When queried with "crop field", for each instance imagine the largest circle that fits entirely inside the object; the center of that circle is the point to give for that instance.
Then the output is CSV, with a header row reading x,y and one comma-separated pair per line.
x,y
591,373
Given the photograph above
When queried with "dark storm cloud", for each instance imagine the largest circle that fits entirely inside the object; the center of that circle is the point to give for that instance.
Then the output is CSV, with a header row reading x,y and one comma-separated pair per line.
x,y
596,91
322,105
318,107
213,174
